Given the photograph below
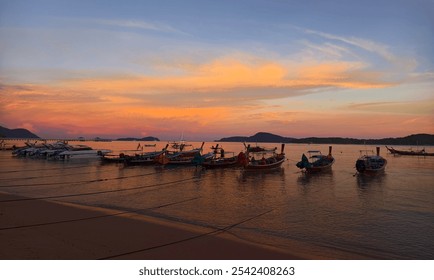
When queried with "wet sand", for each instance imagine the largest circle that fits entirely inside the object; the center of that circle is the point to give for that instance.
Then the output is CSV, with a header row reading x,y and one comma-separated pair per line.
x,y
68,231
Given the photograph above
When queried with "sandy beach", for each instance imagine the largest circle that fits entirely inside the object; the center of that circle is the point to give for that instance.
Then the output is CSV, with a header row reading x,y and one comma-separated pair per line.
x,y
40,229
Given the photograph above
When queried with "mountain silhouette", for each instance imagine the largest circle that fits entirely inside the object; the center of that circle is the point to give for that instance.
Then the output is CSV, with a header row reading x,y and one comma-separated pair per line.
x,y
16,133
265,137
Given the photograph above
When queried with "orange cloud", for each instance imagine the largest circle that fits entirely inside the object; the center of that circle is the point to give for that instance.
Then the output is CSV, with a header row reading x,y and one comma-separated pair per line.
x,y
221,97
229,74
339,74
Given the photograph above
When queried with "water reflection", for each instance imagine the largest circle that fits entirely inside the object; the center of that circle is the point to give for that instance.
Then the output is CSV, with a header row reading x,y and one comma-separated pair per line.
x,y
307,179
261,175
366,182
371,191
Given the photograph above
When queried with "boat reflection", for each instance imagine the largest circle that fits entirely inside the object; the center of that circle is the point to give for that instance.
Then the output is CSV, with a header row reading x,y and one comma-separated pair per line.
x,y
365,183
316,182
248,175
371,191
309,178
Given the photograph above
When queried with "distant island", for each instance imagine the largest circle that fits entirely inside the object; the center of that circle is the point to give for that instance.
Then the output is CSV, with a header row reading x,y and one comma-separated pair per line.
x,y
264,137
17,133
149,138
22,133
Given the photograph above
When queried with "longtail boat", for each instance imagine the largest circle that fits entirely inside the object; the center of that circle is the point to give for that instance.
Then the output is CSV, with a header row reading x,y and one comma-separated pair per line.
x,y
180,156
315,161
259,158
133,157
409,152
219,159
369,163
144,158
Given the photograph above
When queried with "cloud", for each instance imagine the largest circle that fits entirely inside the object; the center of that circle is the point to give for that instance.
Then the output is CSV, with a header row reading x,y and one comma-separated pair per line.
x,y
224,96
29,126
115,117
136,24
423,107
214,93
368,45
328,50
365,44
222,76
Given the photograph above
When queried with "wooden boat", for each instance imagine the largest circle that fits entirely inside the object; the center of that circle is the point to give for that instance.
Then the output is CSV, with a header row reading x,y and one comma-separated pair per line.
x,y
369,163
179,145
110,158
409,152
146,158
219,159
141,147
180,156
259,158
315,161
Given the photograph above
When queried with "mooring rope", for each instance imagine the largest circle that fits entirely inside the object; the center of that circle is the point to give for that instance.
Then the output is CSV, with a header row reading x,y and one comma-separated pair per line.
x,y
186,239
100,216
98,192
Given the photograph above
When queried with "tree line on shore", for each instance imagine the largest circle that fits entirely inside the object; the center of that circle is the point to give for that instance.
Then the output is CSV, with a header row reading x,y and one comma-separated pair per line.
x,y
265,137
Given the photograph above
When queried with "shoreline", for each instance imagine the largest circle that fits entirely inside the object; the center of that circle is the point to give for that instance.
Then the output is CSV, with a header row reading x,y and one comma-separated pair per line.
x,y
89,232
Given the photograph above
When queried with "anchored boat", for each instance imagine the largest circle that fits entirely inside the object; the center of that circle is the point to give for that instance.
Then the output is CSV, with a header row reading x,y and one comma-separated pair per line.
x,y
58,150
180,156
315,161
219,159
409,152
369,163
143,158
259,158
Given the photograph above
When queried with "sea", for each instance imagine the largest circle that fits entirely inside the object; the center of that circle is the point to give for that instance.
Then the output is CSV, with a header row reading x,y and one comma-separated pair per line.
x,y
337,214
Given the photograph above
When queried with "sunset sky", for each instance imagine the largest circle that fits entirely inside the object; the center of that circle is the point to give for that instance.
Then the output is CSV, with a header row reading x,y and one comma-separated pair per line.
x,y
211,69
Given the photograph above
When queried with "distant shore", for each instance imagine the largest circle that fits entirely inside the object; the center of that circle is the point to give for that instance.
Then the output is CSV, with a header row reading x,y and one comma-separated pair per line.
x,y
260,137
265,137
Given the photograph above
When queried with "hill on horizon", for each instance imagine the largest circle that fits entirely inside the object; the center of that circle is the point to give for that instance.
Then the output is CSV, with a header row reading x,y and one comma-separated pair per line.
x,y
420,139
17,133
265,137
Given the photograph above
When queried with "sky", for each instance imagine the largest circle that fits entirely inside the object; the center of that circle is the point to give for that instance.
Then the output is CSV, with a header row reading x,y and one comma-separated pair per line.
x,y
212,69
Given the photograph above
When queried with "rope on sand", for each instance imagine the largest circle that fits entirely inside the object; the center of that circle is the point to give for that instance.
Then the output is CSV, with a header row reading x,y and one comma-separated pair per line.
x,y
186,239
100,216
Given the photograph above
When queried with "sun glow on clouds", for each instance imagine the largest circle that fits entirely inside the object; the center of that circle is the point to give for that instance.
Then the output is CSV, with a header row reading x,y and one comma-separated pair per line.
x,y
215,76
216,69
231,83
237,93
128,105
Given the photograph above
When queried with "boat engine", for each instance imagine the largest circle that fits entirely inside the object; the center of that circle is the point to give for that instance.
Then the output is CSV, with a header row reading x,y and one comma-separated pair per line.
x,y
304,163
360,165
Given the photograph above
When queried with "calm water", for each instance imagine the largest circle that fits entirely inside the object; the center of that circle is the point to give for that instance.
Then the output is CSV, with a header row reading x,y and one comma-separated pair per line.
x,y
330,215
